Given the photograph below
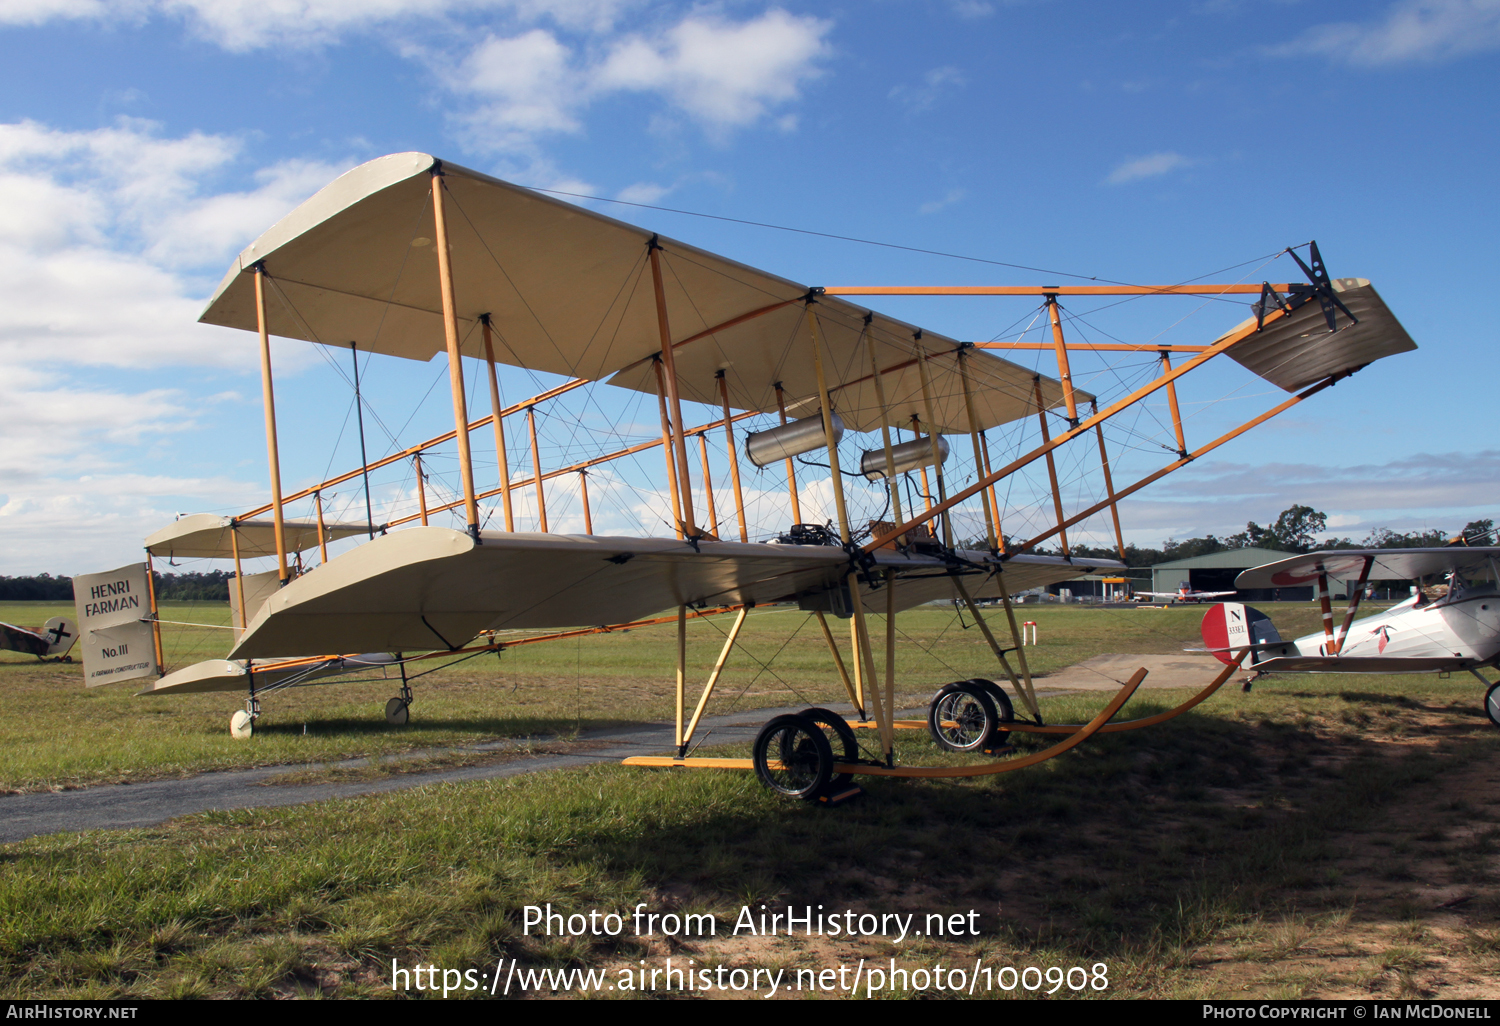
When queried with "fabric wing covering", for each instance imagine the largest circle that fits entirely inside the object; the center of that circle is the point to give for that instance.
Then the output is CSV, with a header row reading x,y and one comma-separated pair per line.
x,y
1296,351
1389,565
571,292
210,536
435,588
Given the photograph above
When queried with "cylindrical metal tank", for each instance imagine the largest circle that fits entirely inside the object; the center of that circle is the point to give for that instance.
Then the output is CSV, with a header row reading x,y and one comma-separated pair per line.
x,y
780,443
907,456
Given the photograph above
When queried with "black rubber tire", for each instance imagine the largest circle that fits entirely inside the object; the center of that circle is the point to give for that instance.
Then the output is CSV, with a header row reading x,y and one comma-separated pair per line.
x,y
835,726
970,707
1492,704
803,751
1003,708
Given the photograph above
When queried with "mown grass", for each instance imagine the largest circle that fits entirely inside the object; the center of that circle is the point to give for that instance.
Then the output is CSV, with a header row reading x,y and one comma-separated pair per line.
x,y
1226,826
59,733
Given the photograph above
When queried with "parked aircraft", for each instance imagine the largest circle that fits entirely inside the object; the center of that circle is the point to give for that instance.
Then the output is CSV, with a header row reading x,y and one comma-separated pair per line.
x,y
1186,593
409,256
1452,623
52,640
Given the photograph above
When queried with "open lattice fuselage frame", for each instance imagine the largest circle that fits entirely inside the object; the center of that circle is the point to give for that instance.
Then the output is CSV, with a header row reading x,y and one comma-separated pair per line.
x,y
837,382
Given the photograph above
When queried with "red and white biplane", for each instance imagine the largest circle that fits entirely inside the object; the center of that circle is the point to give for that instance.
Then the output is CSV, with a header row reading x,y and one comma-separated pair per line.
x,y
1452,624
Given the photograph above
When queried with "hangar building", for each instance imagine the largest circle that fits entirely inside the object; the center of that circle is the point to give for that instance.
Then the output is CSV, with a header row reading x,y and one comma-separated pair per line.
x,y
1217,571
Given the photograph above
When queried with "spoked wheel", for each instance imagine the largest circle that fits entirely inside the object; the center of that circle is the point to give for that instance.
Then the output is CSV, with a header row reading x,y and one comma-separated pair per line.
x,y
792,757
397,712
1492,704
962,717
1003,709
840,739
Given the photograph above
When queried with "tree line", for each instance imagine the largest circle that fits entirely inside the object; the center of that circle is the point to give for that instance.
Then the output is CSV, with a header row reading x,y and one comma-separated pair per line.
x,y
1295,530
212,586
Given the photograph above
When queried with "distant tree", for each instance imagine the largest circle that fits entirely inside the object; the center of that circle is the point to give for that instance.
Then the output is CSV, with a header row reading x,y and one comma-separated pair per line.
x,y
212,586
1385,538
1479,532
1191,547
41,588
1295,530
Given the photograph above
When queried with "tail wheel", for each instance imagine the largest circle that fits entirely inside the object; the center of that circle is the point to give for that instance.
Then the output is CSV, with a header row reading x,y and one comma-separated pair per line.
x,y
1492,704
961,717
1003,708
242,725
792,757
840,738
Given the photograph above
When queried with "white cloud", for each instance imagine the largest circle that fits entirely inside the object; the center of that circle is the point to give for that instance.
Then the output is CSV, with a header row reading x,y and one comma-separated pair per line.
x,y
108,241
721,74
932,207
1446,489
1150,166
243,25
724,74
108,238
73,525
1413,31
934,84
972,9
642,192
528,87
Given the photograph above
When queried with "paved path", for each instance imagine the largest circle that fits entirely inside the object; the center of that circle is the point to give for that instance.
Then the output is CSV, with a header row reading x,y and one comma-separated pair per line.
x,y
122,806
1108,672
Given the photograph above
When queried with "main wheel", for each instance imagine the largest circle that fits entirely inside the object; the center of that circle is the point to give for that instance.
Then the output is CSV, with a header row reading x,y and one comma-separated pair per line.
x,y
840,738
1492,704
792,757
241,724
1003,708
397,712
961,717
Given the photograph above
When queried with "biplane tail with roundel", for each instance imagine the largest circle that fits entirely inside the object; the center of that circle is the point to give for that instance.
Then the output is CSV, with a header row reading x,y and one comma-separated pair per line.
x,y
741,440
52,640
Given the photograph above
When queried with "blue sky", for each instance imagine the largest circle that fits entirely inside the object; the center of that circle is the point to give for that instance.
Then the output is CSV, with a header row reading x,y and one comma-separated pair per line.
x,y
144,142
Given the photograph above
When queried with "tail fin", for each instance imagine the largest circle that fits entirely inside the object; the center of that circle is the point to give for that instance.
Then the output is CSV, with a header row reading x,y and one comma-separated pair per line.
x,y
1230,626
60,633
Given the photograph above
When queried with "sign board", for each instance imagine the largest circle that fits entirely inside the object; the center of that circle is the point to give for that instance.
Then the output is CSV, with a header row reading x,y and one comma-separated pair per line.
x,y
114,614
118,653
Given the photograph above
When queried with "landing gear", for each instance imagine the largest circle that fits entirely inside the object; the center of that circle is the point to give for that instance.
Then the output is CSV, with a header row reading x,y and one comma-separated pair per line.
x,y
242,723
1492,704
999,737
840,738
962,717
398,709
792,757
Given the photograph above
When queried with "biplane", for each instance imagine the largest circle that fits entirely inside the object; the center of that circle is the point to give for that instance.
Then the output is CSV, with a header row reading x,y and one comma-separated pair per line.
x,y
407,257
1450,625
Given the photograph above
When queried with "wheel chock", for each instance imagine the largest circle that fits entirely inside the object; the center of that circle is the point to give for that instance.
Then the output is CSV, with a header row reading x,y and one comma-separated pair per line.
x,y
840,796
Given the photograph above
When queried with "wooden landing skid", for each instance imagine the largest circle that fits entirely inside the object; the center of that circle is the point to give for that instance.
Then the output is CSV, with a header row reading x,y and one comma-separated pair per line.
x,y
1109,728
1075,738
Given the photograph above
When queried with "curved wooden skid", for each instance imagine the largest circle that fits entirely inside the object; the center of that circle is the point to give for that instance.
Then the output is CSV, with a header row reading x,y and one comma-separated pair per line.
x,y
1145,721
1007,765
981,770
1109,728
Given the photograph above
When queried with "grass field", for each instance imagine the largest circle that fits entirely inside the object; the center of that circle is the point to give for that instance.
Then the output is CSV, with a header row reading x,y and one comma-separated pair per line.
x,y
1318,836
61,734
